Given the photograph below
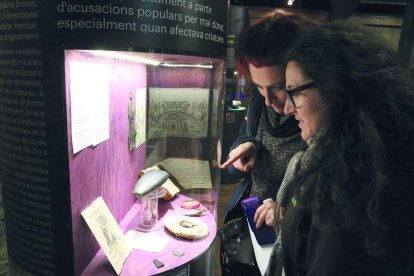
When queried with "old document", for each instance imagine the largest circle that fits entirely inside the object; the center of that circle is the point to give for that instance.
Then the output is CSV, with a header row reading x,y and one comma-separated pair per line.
x,y
107,232
188,173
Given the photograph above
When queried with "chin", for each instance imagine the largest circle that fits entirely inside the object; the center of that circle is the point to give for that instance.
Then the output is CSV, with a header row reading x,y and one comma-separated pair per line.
x,y
278,110
305,136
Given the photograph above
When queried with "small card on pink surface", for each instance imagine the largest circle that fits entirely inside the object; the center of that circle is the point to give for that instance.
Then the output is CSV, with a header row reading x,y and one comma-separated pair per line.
x,y
146,241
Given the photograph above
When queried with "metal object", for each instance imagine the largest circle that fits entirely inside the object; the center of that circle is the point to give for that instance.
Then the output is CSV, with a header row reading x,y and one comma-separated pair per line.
x,y
150,181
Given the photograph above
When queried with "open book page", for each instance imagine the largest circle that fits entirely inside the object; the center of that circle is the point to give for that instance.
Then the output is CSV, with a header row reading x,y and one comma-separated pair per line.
x,y
188,173
262,253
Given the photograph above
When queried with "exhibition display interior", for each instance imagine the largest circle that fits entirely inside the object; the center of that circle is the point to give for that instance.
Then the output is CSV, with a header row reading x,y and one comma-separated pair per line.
x,y
143,140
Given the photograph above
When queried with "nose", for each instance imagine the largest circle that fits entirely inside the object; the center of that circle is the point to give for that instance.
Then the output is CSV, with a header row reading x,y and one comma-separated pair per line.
x,y
289,108
268,97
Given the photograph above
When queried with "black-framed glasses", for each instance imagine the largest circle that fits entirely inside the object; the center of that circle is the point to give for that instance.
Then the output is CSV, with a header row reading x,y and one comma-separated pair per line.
x,y
290,93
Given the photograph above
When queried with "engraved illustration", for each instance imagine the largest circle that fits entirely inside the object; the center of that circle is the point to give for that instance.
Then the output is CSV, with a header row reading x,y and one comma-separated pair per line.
x,y
109,236
140,118
132,131
178,112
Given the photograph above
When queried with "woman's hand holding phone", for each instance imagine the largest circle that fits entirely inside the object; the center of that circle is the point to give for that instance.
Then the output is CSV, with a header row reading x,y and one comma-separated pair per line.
x,y
265,213
265,234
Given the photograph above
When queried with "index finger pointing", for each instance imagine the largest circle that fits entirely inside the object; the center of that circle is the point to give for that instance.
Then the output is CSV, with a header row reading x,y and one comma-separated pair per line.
x,y
233,158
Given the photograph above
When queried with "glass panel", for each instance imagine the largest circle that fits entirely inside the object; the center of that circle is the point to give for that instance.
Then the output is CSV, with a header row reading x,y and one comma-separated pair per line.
x,y
130,112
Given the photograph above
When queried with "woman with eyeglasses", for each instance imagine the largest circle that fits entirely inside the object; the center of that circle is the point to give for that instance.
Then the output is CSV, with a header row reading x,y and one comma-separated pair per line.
x,y
350,209
268,138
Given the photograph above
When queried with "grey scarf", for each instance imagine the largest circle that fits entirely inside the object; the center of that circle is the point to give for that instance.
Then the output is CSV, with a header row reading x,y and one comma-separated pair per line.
x,y
298,161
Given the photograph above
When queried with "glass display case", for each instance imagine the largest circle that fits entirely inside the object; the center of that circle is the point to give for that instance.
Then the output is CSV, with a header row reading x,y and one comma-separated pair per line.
x,y
132,112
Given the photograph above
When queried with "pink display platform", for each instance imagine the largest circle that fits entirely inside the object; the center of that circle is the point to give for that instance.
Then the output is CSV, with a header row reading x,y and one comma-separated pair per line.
x,y
141,262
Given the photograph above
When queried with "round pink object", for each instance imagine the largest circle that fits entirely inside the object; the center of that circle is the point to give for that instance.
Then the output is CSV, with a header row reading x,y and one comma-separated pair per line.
x,y
190,204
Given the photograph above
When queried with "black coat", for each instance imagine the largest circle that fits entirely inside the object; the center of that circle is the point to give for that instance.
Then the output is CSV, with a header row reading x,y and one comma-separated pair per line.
x,y
311,251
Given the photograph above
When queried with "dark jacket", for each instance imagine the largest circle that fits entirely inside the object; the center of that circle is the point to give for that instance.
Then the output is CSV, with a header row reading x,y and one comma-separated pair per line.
x,y
312,251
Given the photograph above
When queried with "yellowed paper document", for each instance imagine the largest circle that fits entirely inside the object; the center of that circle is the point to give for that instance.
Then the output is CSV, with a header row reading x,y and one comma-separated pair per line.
x,y
189,173
107,232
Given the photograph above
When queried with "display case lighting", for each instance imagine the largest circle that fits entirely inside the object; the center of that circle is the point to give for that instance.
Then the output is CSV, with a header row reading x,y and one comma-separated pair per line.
x,y
209,66
127,57
149,61
290,2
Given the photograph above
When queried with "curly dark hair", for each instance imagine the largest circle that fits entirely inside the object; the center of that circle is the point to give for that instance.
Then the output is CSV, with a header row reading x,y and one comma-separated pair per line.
x,y
361,174
265,43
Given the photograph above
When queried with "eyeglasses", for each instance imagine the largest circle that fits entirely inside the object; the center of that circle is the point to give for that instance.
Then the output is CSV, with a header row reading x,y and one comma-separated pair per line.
x,y
290,93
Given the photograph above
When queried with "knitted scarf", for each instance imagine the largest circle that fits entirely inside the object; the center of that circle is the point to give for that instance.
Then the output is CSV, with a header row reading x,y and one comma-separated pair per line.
x,y
298,161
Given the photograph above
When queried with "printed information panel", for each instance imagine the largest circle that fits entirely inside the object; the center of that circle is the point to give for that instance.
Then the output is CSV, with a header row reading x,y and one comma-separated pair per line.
x,y
184,25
